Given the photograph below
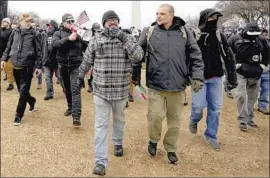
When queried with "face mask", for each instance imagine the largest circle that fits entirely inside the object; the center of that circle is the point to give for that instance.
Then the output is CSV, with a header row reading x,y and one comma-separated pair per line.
x,y
211,25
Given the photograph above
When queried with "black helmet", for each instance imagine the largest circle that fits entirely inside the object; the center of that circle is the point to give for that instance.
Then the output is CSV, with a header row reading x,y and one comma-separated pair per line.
x,y
96,26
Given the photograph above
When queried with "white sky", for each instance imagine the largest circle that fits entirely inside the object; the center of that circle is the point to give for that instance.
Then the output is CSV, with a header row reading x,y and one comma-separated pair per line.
x,y
95,9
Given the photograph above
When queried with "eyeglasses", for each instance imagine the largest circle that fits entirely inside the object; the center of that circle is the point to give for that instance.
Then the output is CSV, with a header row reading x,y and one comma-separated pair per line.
x,y
70,21
112,20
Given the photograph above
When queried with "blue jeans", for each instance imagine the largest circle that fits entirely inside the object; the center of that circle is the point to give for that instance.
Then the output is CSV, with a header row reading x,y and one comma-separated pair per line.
x,y
264,93
209,96
102,120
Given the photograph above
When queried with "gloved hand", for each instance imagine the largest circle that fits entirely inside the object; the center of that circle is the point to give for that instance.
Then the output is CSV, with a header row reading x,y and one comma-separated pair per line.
x,y
135,82
196,85
116,32
80,83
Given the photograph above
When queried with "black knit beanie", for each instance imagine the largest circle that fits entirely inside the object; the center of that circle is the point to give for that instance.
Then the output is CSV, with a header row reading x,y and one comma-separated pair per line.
x,y
109,15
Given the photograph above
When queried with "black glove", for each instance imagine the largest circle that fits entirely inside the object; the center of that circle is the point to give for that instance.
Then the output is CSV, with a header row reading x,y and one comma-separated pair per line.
x,y
137,82
80,83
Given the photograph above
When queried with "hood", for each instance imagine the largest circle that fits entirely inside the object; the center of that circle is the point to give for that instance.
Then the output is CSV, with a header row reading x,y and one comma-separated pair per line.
x,y
176,21
251,29
54,23
204,16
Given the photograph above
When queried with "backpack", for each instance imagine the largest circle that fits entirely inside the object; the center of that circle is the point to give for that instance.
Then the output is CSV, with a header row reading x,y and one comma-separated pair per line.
x,y
149,34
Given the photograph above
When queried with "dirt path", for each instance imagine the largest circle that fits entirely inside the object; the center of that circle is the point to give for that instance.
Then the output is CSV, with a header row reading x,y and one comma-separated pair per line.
x,y
46,144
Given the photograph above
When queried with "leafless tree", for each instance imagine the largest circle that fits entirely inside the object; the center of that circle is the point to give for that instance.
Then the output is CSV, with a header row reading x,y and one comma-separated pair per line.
x,y
250,11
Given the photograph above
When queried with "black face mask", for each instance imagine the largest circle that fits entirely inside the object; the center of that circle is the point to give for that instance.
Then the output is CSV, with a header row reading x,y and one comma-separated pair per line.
x,y
251,37
211,26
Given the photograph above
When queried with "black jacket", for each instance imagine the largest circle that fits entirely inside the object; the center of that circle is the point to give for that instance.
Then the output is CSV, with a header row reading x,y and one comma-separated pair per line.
x,y
4,37
214,51
169,57
250,53
24,48
69,53
49,52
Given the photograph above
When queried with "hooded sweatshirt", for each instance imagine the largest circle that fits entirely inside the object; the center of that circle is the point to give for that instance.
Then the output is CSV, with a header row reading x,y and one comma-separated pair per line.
x,y
250,51
209,44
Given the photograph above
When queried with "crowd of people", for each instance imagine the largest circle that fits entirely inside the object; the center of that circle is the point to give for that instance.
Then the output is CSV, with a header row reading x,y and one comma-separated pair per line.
x,y
112,59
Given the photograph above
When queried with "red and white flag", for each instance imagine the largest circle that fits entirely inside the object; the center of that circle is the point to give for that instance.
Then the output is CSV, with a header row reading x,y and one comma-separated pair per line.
x,y
83,18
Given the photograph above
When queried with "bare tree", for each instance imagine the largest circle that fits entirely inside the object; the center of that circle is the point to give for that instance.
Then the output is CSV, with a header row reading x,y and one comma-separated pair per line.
x,y
250,11
192,22
13,14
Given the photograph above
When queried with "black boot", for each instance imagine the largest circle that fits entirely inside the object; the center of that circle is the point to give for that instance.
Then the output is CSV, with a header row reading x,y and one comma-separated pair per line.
x,y
118,150
152,148
68,112
99,170
172,157
10,87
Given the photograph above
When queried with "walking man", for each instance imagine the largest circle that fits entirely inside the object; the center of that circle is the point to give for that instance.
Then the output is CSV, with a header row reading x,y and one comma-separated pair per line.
x,y
252,56
111,53
25,53
5,32
69,56
218,59
170,49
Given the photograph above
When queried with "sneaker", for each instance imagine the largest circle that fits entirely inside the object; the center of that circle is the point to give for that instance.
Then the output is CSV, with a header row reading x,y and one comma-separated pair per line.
x,y
118,150
68,112
57,81
99,170
90,88
48,97
10,87
185,103
172,157
76,123
152,148
230,95
243,126
17,121
127,105
252,124
32,108
39,86
213,143
193,127
130,98
264,111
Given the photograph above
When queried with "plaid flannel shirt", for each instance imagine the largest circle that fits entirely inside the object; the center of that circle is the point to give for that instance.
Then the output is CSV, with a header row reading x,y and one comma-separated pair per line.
x,y
112,65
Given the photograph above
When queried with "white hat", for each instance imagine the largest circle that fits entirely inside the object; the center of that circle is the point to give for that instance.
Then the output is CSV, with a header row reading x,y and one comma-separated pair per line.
x,y
6,20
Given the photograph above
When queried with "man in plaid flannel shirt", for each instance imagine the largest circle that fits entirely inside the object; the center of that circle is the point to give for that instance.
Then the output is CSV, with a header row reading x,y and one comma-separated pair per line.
x,y
111,53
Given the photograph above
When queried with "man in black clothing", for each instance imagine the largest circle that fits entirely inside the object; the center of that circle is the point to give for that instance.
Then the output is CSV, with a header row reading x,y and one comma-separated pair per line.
x,y
50,64
218,59
69,56
5,32
24,49
252,56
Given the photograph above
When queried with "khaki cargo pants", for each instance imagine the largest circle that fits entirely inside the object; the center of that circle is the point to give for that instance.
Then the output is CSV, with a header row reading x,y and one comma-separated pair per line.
x,y
9,71
161,105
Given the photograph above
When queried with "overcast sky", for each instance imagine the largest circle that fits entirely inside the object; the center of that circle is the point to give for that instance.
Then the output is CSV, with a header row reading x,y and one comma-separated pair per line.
x,y
95,9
